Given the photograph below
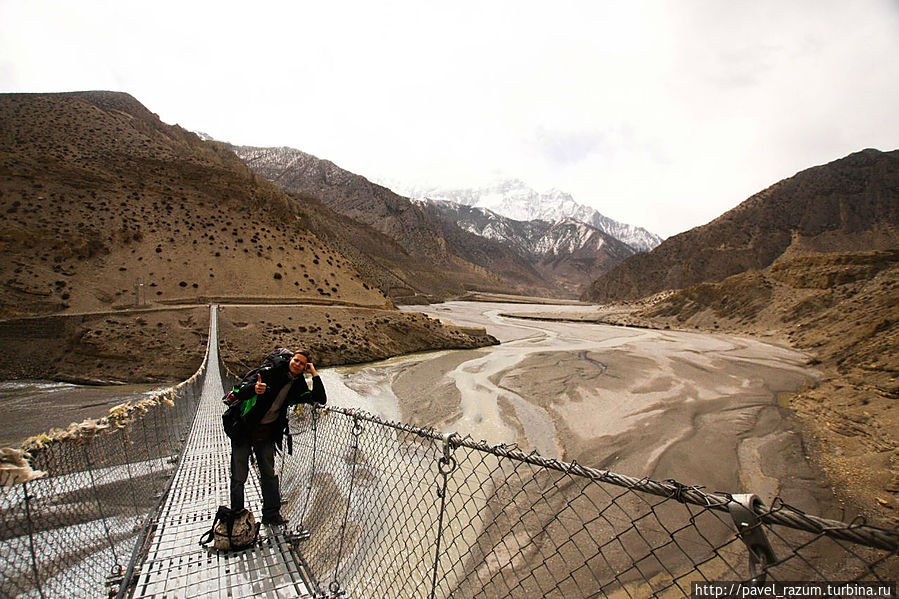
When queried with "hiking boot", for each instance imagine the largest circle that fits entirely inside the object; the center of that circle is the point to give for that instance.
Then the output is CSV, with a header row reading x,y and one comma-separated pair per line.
x,y
274,519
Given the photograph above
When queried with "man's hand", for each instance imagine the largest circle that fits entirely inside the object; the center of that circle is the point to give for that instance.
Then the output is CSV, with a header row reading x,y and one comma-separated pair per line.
x,y
260,386
311,369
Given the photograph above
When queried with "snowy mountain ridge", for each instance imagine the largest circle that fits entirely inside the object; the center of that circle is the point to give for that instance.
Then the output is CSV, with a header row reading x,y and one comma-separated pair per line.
x,y
538,239
566,251
513,199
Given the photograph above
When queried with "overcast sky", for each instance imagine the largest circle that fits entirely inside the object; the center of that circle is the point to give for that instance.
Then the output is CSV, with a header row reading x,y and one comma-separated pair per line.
x,y
658,114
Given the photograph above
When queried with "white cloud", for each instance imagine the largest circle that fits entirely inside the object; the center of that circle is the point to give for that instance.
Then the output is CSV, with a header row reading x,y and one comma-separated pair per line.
x,y
659,114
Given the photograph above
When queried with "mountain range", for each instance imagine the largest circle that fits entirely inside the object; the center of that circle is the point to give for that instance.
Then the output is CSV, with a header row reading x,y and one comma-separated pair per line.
x,y
536,257
567,252
514,199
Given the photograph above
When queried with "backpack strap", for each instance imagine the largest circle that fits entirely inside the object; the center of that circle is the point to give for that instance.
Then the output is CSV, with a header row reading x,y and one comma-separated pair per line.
x,y
207,536
231,529
222,514
255,536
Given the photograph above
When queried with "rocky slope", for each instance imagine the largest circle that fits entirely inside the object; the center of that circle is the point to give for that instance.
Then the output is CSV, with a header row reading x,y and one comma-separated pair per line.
x,y
566,252
348,194
428,264
384,263
846,205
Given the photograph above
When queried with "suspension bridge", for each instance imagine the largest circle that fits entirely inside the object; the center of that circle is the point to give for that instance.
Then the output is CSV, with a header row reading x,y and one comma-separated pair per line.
x,y
116,507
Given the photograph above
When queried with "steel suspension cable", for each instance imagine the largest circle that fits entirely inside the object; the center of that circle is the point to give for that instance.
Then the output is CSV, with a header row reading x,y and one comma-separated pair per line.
x,y
90,471
312,473
445,466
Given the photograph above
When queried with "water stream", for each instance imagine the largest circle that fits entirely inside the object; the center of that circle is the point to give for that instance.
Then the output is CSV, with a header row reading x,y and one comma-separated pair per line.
x,y
32,407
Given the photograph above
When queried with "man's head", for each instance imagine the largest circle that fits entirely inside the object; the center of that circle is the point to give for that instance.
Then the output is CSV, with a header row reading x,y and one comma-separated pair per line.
x,y
298,361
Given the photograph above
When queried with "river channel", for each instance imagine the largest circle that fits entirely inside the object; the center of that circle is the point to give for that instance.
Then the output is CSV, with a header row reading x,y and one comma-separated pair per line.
x,y
703,409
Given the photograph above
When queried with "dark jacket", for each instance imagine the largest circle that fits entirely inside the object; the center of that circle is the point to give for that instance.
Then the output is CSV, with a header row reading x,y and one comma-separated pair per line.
x,y
275,377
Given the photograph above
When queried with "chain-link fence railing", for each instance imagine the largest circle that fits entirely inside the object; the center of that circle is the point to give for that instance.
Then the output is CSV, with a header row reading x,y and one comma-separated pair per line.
x,y
80,503
397,511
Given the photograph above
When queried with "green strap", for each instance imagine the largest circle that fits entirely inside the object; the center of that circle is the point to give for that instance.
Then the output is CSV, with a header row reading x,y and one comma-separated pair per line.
x,y
248,405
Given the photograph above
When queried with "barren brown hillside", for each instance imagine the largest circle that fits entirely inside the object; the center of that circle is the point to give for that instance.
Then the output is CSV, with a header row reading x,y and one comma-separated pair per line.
x,y
847,205
401,276
98,193
113,220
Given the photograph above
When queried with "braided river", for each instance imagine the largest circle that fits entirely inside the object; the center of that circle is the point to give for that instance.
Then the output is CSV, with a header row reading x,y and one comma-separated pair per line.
x,y
704,409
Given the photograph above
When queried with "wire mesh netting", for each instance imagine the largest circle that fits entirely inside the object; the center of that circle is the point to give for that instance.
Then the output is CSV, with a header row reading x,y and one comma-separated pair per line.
x,y
74,531
395,511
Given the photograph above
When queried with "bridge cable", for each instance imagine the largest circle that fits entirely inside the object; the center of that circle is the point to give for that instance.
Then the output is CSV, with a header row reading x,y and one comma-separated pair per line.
x,y
312,474
117,566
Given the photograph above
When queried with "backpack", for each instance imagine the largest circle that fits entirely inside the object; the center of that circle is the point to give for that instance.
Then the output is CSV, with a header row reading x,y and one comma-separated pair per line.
x,y
231,530
276,358
233,422
232,419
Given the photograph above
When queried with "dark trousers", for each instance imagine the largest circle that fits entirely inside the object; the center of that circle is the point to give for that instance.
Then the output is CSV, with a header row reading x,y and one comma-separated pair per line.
x,y
264,448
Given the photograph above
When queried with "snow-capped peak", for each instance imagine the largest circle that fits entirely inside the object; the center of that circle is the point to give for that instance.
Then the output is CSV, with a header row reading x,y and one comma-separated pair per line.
x,y
513,199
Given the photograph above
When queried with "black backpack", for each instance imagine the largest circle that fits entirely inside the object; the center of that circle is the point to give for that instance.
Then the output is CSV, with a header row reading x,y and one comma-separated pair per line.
x,y
231,530
233,422
232,419
274,359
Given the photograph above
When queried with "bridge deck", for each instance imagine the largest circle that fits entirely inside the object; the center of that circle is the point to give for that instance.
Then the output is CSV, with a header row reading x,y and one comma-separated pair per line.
x,y
177,565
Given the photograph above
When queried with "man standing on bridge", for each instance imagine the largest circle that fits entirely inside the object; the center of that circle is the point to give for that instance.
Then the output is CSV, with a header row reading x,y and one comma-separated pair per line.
x,y
277,386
